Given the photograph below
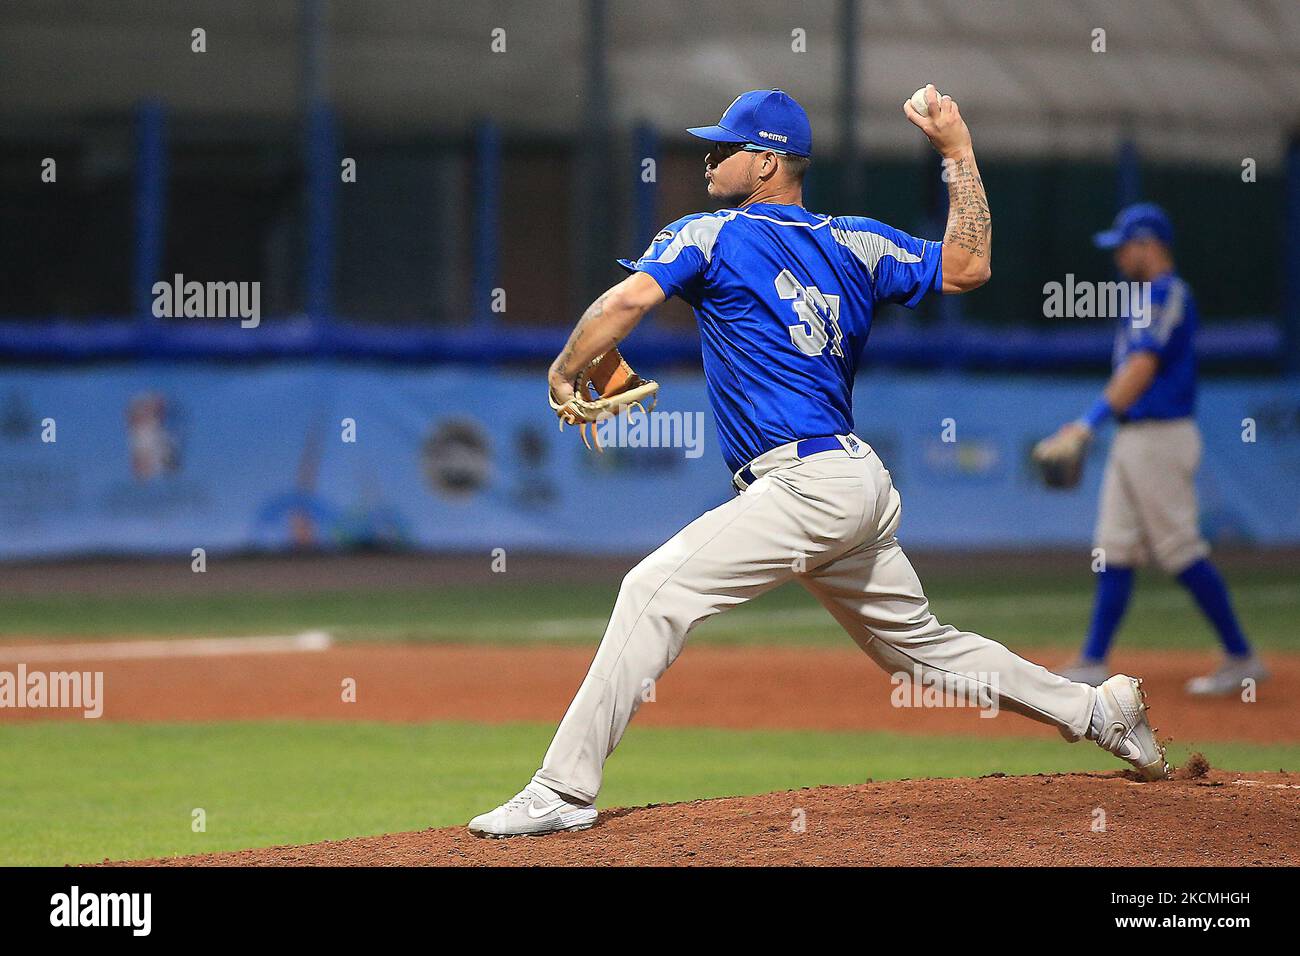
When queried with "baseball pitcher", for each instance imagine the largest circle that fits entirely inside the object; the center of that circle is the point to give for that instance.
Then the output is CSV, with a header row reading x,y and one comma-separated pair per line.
x,y
784,299
1148,505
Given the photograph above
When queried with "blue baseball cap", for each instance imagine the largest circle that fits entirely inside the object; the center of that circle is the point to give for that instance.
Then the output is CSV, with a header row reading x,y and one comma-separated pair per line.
x,y
767,119
1143,220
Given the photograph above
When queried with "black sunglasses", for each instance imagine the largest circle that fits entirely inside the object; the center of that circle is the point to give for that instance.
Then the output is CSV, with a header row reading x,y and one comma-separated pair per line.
x,y
727,150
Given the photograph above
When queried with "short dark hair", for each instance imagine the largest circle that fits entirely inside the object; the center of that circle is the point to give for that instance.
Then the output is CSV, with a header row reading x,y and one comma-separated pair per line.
x,y
796,166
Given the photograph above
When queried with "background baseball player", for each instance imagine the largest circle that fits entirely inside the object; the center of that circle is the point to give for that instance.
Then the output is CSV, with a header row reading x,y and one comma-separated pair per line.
x,y
1148,504
784,299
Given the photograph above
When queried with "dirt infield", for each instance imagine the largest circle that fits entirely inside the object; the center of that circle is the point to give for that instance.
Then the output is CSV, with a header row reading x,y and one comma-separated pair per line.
x,y
1220,819
730,687
782,688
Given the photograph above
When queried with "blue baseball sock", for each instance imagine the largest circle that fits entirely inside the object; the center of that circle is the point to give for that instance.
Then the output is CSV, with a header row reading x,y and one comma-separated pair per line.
x,y
1211,595
1114,585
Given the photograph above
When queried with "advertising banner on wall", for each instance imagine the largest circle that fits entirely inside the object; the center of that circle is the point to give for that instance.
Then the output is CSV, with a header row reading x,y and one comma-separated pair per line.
x,y
162,459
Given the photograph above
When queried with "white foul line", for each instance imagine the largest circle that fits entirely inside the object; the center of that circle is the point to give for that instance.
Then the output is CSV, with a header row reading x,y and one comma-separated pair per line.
x,y
189,647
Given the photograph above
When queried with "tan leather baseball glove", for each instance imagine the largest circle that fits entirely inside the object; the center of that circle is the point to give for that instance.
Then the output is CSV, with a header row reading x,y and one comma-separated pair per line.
x,y
607,387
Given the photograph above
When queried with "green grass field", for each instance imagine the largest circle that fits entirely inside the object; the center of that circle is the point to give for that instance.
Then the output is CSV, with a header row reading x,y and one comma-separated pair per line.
x,y
1023,610
82,791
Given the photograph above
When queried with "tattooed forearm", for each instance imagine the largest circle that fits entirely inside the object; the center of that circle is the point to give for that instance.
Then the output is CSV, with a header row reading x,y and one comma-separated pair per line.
x,y
970,226
586,342
606,323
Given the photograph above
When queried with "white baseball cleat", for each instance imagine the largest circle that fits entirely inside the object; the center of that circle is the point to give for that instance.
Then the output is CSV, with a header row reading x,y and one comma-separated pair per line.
x,y
1229,678
1125,730
1085,672
533,811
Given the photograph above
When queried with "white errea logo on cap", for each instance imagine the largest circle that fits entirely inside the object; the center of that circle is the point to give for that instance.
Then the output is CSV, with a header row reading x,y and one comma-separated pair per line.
x,y
776,136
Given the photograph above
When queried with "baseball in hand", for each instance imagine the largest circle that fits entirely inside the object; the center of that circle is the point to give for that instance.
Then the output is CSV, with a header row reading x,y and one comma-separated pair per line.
x,y
918,101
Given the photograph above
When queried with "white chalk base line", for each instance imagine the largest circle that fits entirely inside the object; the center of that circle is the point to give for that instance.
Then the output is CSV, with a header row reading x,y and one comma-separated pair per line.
x,y
307,641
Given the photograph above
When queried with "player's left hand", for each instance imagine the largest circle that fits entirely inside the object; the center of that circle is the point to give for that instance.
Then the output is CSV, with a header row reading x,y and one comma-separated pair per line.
x,y
1075,431
606,387
561,389
1059,457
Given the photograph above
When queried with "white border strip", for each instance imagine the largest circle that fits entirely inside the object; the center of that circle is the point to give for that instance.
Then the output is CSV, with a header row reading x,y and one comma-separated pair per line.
x,y
307,641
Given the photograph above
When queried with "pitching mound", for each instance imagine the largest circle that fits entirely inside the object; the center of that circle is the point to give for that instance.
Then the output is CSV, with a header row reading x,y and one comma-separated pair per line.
x,y
1103,819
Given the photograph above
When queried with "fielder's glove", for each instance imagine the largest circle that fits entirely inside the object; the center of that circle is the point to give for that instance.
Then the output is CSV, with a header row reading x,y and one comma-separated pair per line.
x,y
607,387
1059,457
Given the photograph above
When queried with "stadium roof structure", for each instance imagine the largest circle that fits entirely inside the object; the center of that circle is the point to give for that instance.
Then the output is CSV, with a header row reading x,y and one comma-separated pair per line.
x,y
1206,81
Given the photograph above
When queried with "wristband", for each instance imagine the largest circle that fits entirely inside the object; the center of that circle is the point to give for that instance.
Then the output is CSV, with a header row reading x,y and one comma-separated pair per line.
x,y
1094,416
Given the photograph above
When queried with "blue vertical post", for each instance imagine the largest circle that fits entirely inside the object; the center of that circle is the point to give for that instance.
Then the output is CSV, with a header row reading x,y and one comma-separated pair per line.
x,y
322,170
593,209
1291,259
487,220
645,145
150,204
645,211
1128,172
320,159
851,172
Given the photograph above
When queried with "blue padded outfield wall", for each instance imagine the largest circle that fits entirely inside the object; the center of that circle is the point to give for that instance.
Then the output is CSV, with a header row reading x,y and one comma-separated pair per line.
x,y
169,457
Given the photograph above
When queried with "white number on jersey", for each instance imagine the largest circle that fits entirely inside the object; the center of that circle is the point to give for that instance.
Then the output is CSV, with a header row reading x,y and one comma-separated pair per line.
x,y
813,308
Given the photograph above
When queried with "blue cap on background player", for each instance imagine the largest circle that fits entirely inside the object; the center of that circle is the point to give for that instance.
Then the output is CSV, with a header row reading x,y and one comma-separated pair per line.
x,y
769,119
1143,220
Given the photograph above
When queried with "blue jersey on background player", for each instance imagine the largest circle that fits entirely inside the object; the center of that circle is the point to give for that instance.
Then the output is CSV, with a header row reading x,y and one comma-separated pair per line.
x,y
1169,335
785,299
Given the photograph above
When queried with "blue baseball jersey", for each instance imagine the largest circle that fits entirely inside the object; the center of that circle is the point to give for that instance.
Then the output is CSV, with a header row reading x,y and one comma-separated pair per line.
x,y
1168,333
784,299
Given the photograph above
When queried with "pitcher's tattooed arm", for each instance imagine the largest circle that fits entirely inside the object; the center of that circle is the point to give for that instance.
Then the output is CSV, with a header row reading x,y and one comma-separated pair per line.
x,y
967,242
970,226
564,366
605,324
